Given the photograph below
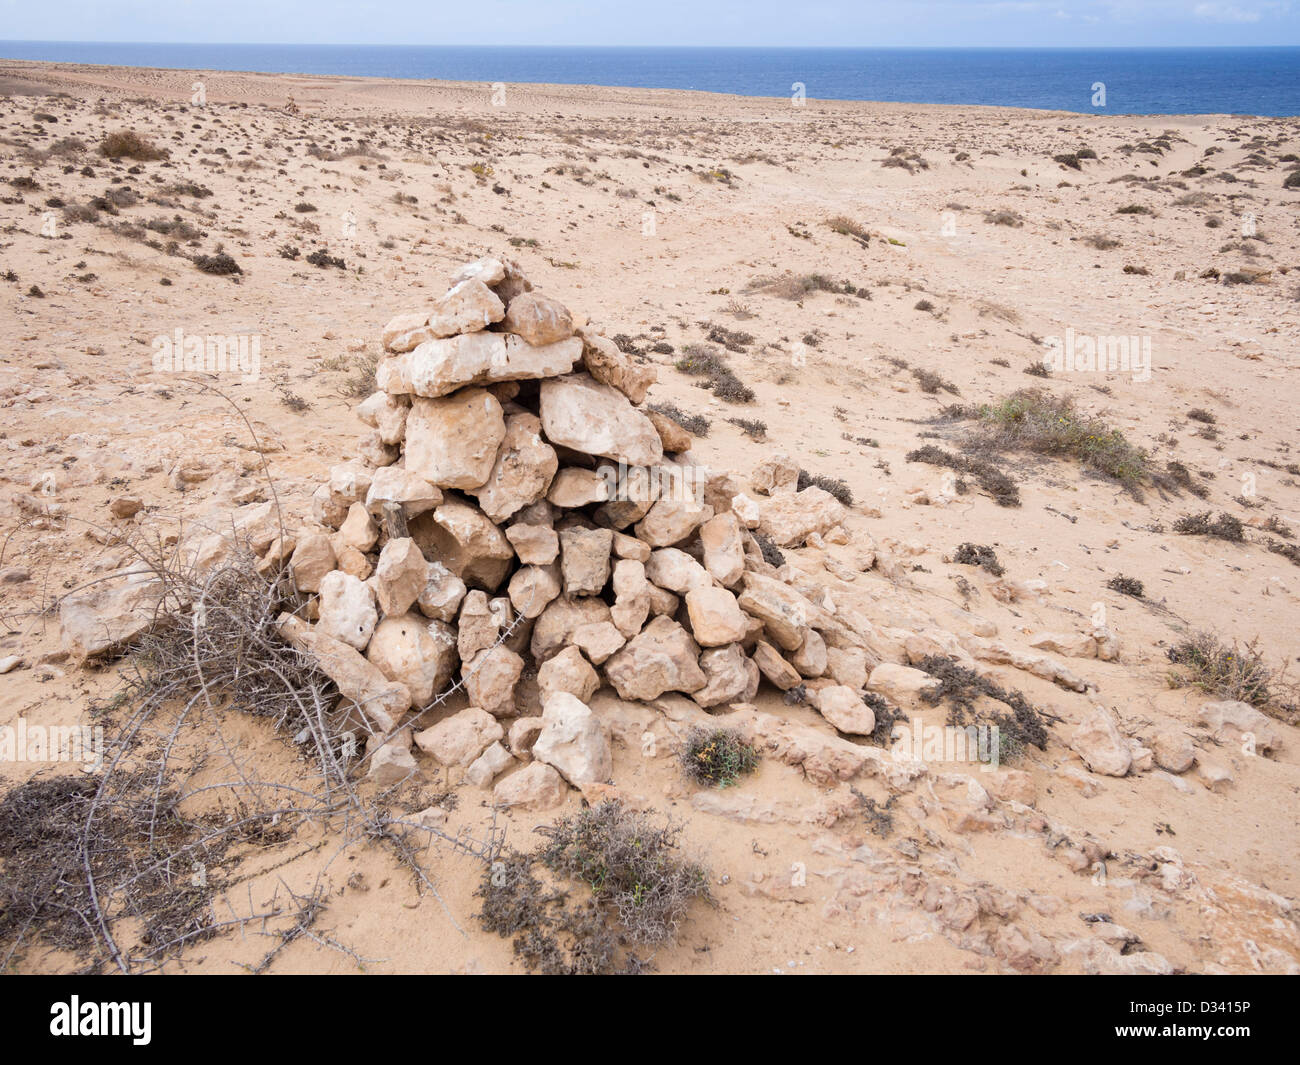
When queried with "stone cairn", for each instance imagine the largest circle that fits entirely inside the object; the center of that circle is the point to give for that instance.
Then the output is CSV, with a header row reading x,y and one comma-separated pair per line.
x,y
518,526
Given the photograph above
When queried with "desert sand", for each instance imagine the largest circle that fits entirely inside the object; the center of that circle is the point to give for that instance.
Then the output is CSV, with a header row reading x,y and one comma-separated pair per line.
x,y
668,219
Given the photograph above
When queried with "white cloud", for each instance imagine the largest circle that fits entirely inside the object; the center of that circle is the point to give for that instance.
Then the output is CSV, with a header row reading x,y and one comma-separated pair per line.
x,y
1224,13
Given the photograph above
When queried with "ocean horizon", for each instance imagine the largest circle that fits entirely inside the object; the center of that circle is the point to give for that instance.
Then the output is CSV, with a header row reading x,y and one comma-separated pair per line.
x,y
1202,80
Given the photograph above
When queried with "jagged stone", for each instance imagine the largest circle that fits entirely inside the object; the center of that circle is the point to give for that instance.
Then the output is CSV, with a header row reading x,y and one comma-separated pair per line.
x,y
410,491
715,616
536,545
580,413
568,672
573,741
609,366
381,700
442,593
584,560
312,558
522,472
458,740
535,787
439,367
538,319
490,679
401,574
661,658
731,675
112,614
415,651
575,487
387,415
347,609
453,442
463,538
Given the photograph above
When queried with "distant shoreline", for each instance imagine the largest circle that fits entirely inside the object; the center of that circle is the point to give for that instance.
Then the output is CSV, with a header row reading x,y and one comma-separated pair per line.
x,y
1256,81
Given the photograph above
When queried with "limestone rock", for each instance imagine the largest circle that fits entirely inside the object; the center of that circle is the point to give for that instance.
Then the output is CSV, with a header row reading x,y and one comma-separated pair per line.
x,y
381,700
357,530
1233,721
490,679
598,641
453,442
661,658
347,609
901,684
532,588
573,742
779,471
410,491
567,672
416,652
111,614
732,676
536,545
843,708
312,558
538,319
558,622
439,367
488,766
580,413
724,553
584,560
716,617
790,517
774,667
671,521
848,666
522,471
391,762
610,366
674,438
458,740
387,415
676,571
1101,746
465,308
535,787
1174,752
811,659
461,537
400,576
442,593
575,487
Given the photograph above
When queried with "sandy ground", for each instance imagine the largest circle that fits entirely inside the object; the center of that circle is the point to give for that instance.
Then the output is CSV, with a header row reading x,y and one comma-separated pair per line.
x,y
653,214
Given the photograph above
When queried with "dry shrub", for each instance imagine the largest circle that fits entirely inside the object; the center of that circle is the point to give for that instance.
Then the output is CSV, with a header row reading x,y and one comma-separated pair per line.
x,y
1216,669
127,144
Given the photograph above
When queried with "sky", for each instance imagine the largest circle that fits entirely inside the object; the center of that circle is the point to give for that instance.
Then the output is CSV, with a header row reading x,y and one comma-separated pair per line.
x,y
792,23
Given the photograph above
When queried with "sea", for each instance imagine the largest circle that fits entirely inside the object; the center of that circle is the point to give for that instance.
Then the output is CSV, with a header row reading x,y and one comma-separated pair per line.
x,y
1143,81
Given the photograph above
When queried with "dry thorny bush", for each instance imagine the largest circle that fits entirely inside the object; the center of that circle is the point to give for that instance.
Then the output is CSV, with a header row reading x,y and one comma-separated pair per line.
x,y
127,865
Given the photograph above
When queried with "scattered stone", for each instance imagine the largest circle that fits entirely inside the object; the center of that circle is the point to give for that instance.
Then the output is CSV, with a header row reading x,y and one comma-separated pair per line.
x,y
1100,744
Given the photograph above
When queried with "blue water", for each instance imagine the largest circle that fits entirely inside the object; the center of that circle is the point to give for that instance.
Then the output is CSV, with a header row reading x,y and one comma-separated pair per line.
x,y
1255,81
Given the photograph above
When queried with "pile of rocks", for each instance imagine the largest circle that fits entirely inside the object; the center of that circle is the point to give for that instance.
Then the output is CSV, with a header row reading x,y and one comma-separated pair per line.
x,y
518,525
